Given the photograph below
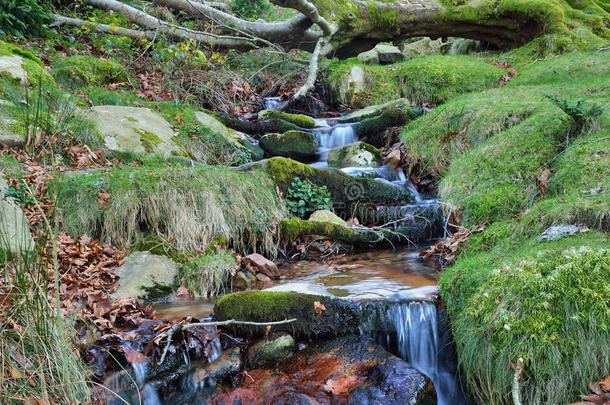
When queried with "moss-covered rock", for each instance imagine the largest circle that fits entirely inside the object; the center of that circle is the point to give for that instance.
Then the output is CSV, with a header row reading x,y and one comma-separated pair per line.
x,y
326,216
358,154
302,121
298,145
85,70
429,79
22,66
339,318
345,190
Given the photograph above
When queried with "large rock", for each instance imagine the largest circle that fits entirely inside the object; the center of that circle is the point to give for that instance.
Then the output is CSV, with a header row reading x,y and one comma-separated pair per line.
x,y
15,236
424,46
327,216
373,110
388,54
302,121
132,129
145,275
358,154
369,57
270,351
22,66
298,145
10,140
347,370
238,139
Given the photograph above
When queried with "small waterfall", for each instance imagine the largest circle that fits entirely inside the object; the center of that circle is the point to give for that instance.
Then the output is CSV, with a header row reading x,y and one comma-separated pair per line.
x,y
340,135
411,187
273,103
412,330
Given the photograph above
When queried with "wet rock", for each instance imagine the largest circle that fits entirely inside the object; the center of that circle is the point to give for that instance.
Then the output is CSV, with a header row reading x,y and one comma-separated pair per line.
x,y
374,110
388,54
10,140
228,363
261,264
558,231
262,277
145,275
327,216
243,280
369,57
393,158
302,121
239,139
358,154
271,351
338,318
15,236
424,46
350,369
132,129
298,145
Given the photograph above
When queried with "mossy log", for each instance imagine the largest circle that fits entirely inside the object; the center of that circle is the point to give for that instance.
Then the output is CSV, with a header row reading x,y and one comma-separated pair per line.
x,y
340,317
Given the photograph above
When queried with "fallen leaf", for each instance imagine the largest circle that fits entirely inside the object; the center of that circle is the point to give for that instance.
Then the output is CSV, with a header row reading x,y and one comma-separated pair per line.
x,y
319,307
134,356
605,383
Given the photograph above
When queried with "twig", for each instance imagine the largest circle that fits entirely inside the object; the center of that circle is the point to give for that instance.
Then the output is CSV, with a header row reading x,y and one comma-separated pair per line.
x,y
178,327
517,376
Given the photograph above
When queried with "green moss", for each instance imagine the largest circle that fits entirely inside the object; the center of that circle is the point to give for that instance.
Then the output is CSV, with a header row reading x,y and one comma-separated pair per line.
x,y
429,79
339,317
191,206
299,145
207,275
293,228
35,69
345,190
302,121
148,139
84,70
105,96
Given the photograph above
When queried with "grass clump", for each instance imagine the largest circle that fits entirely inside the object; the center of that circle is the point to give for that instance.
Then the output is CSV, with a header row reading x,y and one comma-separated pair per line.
x,y
84,70
207,275
191,206
425,80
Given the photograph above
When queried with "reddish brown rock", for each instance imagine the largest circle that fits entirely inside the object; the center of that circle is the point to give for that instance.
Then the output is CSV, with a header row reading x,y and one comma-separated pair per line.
x,y
259,264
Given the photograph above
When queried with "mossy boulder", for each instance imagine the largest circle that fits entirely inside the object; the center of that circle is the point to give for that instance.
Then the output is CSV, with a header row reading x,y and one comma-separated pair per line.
x,y
22,66
429,79
358,154
345,190
85,70
374,110
236,138
298,145
421,47
339,318
135,130
271,351
326,216
302,121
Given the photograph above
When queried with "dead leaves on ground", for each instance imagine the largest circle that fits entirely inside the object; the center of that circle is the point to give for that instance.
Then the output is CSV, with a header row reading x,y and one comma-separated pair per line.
x,y
445,251
600,394
319,307
506,78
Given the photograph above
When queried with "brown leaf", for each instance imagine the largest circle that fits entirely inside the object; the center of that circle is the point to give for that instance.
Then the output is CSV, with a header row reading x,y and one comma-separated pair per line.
x,y
543,181
134,356
605,383
103,198
319,307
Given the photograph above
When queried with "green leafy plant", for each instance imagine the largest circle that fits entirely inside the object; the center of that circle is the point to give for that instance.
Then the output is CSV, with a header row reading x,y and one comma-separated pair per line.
x,y
250,8
304,197
19,195
584,115
18,17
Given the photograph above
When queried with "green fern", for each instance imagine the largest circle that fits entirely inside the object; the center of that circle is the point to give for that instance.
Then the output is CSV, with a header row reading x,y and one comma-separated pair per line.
x,y
18,17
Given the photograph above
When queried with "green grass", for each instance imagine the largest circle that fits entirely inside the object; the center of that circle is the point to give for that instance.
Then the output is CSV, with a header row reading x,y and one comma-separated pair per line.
x,y
427,79
207,275
191,206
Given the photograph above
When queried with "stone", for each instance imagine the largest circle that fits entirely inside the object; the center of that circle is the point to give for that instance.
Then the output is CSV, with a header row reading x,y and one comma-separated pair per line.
x,y
243,280
13,65
393,158
326,216
10,140
262,277
559,231
356,79
300,120
374,110
270,351
239,139
369,57
388,54
227,364
133,129
424,46
263,265
144,272
297,145
358,154
302,287
15,236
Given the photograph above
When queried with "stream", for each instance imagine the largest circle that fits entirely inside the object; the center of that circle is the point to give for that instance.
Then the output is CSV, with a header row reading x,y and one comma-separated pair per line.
x,y
395,290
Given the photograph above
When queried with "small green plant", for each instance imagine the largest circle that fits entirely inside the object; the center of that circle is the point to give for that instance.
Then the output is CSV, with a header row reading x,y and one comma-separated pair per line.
x,y
304,197
18,17
250,8
207,275
584,115
19,195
